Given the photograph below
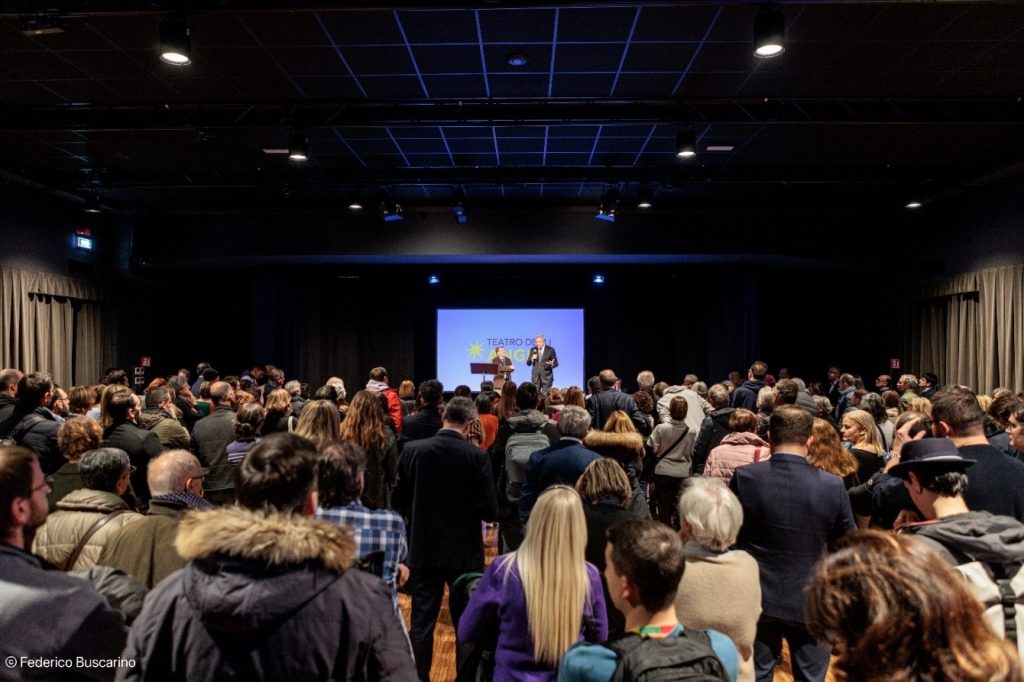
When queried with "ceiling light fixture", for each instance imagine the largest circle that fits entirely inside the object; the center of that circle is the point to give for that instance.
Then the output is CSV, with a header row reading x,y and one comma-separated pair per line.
x,y
913,204
433,279
298,146
175,41
390,210
40,25
92,203
686,142
769,33
459,206
609,207
643,198
598,279
517,59
355,200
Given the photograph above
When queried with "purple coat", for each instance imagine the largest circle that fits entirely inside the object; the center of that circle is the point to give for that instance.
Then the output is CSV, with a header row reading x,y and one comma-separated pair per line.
x,y
514,656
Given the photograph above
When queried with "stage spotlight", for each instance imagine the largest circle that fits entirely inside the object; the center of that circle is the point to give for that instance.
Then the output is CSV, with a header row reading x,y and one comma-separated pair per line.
x,y
643,198
175,41
433,279
355,200
459,206
598,279
769,33
390,210
609,207
686,142
92,203
913,205
298,146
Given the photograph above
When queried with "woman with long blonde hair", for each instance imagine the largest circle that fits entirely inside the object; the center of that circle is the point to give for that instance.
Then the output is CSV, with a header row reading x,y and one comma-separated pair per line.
x,y
543,597
364,426
319,423
865,444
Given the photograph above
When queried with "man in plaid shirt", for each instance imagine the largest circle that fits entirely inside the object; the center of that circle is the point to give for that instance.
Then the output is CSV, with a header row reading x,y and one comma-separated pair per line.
x,y
380,531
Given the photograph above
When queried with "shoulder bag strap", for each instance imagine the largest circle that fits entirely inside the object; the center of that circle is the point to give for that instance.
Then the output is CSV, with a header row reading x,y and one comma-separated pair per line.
x,y
757,454
69,563
679,440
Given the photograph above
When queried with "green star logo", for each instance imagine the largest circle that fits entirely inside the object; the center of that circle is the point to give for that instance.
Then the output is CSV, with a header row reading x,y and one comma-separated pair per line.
x,y
476,350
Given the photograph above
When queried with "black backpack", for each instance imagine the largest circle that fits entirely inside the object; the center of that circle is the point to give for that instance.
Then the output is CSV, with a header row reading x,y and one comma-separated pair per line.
x,y
686,657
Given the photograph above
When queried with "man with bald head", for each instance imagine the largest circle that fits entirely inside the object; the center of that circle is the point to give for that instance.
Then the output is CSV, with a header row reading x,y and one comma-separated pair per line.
x,y
212,434
145,549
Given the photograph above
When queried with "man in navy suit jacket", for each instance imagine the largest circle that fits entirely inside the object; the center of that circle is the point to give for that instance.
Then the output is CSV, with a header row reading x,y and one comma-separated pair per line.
x,y
563,462
792,512
445,489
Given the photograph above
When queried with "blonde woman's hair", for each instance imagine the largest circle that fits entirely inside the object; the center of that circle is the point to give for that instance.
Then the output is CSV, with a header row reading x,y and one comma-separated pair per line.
x,y
924,405
279,400
619,422
602,479
319,422
553,572
869,441
712,512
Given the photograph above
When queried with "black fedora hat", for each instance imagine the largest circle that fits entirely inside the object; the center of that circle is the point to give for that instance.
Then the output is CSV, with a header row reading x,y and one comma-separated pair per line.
x,y
929,452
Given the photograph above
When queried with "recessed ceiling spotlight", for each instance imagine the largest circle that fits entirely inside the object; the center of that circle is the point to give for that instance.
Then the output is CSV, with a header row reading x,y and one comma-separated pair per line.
x,y
609,207
913,204
298,146
598,279
719,148
686,142
355,200
643,198
769,33
517,59
175,41
433,279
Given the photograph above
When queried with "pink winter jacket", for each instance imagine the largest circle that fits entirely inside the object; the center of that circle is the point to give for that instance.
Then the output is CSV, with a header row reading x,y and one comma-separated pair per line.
x,y
736,450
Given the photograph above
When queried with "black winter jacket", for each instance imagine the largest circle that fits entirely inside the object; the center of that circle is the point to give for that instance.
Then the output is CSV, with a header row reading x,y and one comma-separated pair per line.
x,y
267,597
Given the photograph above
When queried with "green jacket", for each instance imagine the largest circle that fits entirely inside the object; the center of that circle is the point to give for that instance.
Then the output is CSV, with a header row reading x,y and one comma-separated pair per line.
x,y
145,549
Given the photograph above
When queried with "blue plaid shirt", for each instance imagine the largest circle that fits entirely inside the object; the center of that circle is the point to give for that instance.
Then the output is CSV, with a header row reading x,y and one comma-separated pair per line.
x,y
374,530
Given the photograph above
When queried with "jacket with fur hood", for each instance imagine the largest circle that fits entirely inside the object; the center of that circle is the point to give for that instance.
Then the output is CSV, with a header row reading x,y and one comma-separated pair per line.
x,y
76,513
628,450
267,596
736,450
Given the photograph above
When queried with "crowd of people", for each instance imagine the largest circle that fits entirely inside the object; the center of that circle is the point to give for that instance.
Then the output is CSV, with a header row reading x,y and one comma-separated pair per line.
x,y
250,527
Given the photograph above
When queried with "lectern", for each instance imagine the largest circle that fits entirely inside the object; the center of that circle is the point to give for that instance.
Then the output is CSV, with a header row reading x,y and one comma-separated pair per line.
x,y
484,368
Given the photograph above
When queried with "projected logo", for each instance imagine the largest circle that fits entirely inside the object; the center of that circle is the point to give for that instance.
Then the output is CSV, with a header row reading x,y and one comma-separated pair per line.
x,y
516,348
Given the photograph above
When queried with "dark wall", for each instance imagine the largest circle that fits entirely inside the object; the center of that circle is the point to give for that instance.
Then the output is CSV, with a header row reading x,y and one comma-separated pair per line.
x,y
982,227
316,321
37,230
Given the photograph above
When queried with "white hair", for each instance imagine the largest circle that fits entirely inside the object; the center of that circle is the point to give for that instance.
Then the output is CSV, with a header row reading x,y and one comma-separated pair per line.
x,y
765,398
712,512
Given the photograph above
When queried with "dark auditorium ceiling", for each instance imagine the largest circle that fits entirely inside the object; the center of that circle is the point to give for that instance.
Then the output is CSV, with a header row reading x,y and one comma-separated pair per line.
x,y
872,103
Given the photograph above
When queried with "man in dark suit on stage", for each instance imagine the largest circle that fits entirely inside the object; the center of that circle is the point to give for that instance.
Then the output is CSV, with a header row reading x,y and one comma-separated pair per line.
x,y
445,489
543,359
792,511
